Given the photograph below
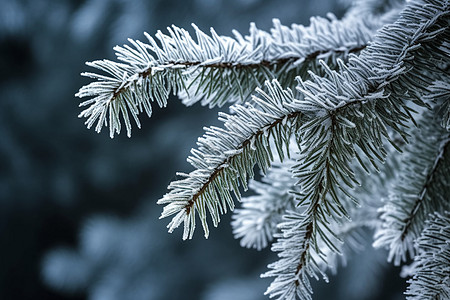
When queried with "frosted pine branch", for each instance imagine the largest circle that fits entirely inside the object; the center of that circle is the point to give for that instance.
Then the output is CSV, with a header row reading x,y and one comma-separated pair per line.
x,y
329,138
256,222
226,156
419,192
318,181
214,69
432,266
344,99
298,259
441,90
360,96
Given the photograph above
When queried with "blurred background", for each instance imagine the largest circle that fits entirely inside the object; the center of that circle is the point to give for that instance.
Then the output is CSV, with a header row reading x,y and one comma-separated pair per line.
x,y
78,213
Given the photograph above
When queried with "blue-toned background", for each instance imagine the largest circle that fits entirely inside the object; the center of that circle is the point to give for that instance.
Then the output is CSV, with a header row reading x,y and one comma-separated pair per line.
x,y
78,213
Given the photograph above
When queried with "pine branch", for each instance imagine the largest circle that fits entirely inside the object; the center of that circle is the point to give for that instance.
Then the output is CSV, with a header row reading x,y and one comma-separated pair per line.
x,y
225,158
321,170
212,69
308,246
296,262
441,90
364,217
256,222
420,191
332,134
353,99
327,98
432,268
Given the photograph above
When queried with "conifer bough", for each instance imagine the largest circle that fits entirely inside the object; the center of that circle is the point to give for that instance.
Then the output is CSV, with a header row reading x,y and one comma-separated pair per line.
x,y
326,111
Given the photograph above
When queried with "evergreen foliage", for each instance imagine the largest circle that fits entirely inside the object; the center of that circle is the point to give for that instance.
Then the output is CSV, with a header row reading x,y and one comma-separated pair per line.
x,y
431,278
338,103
